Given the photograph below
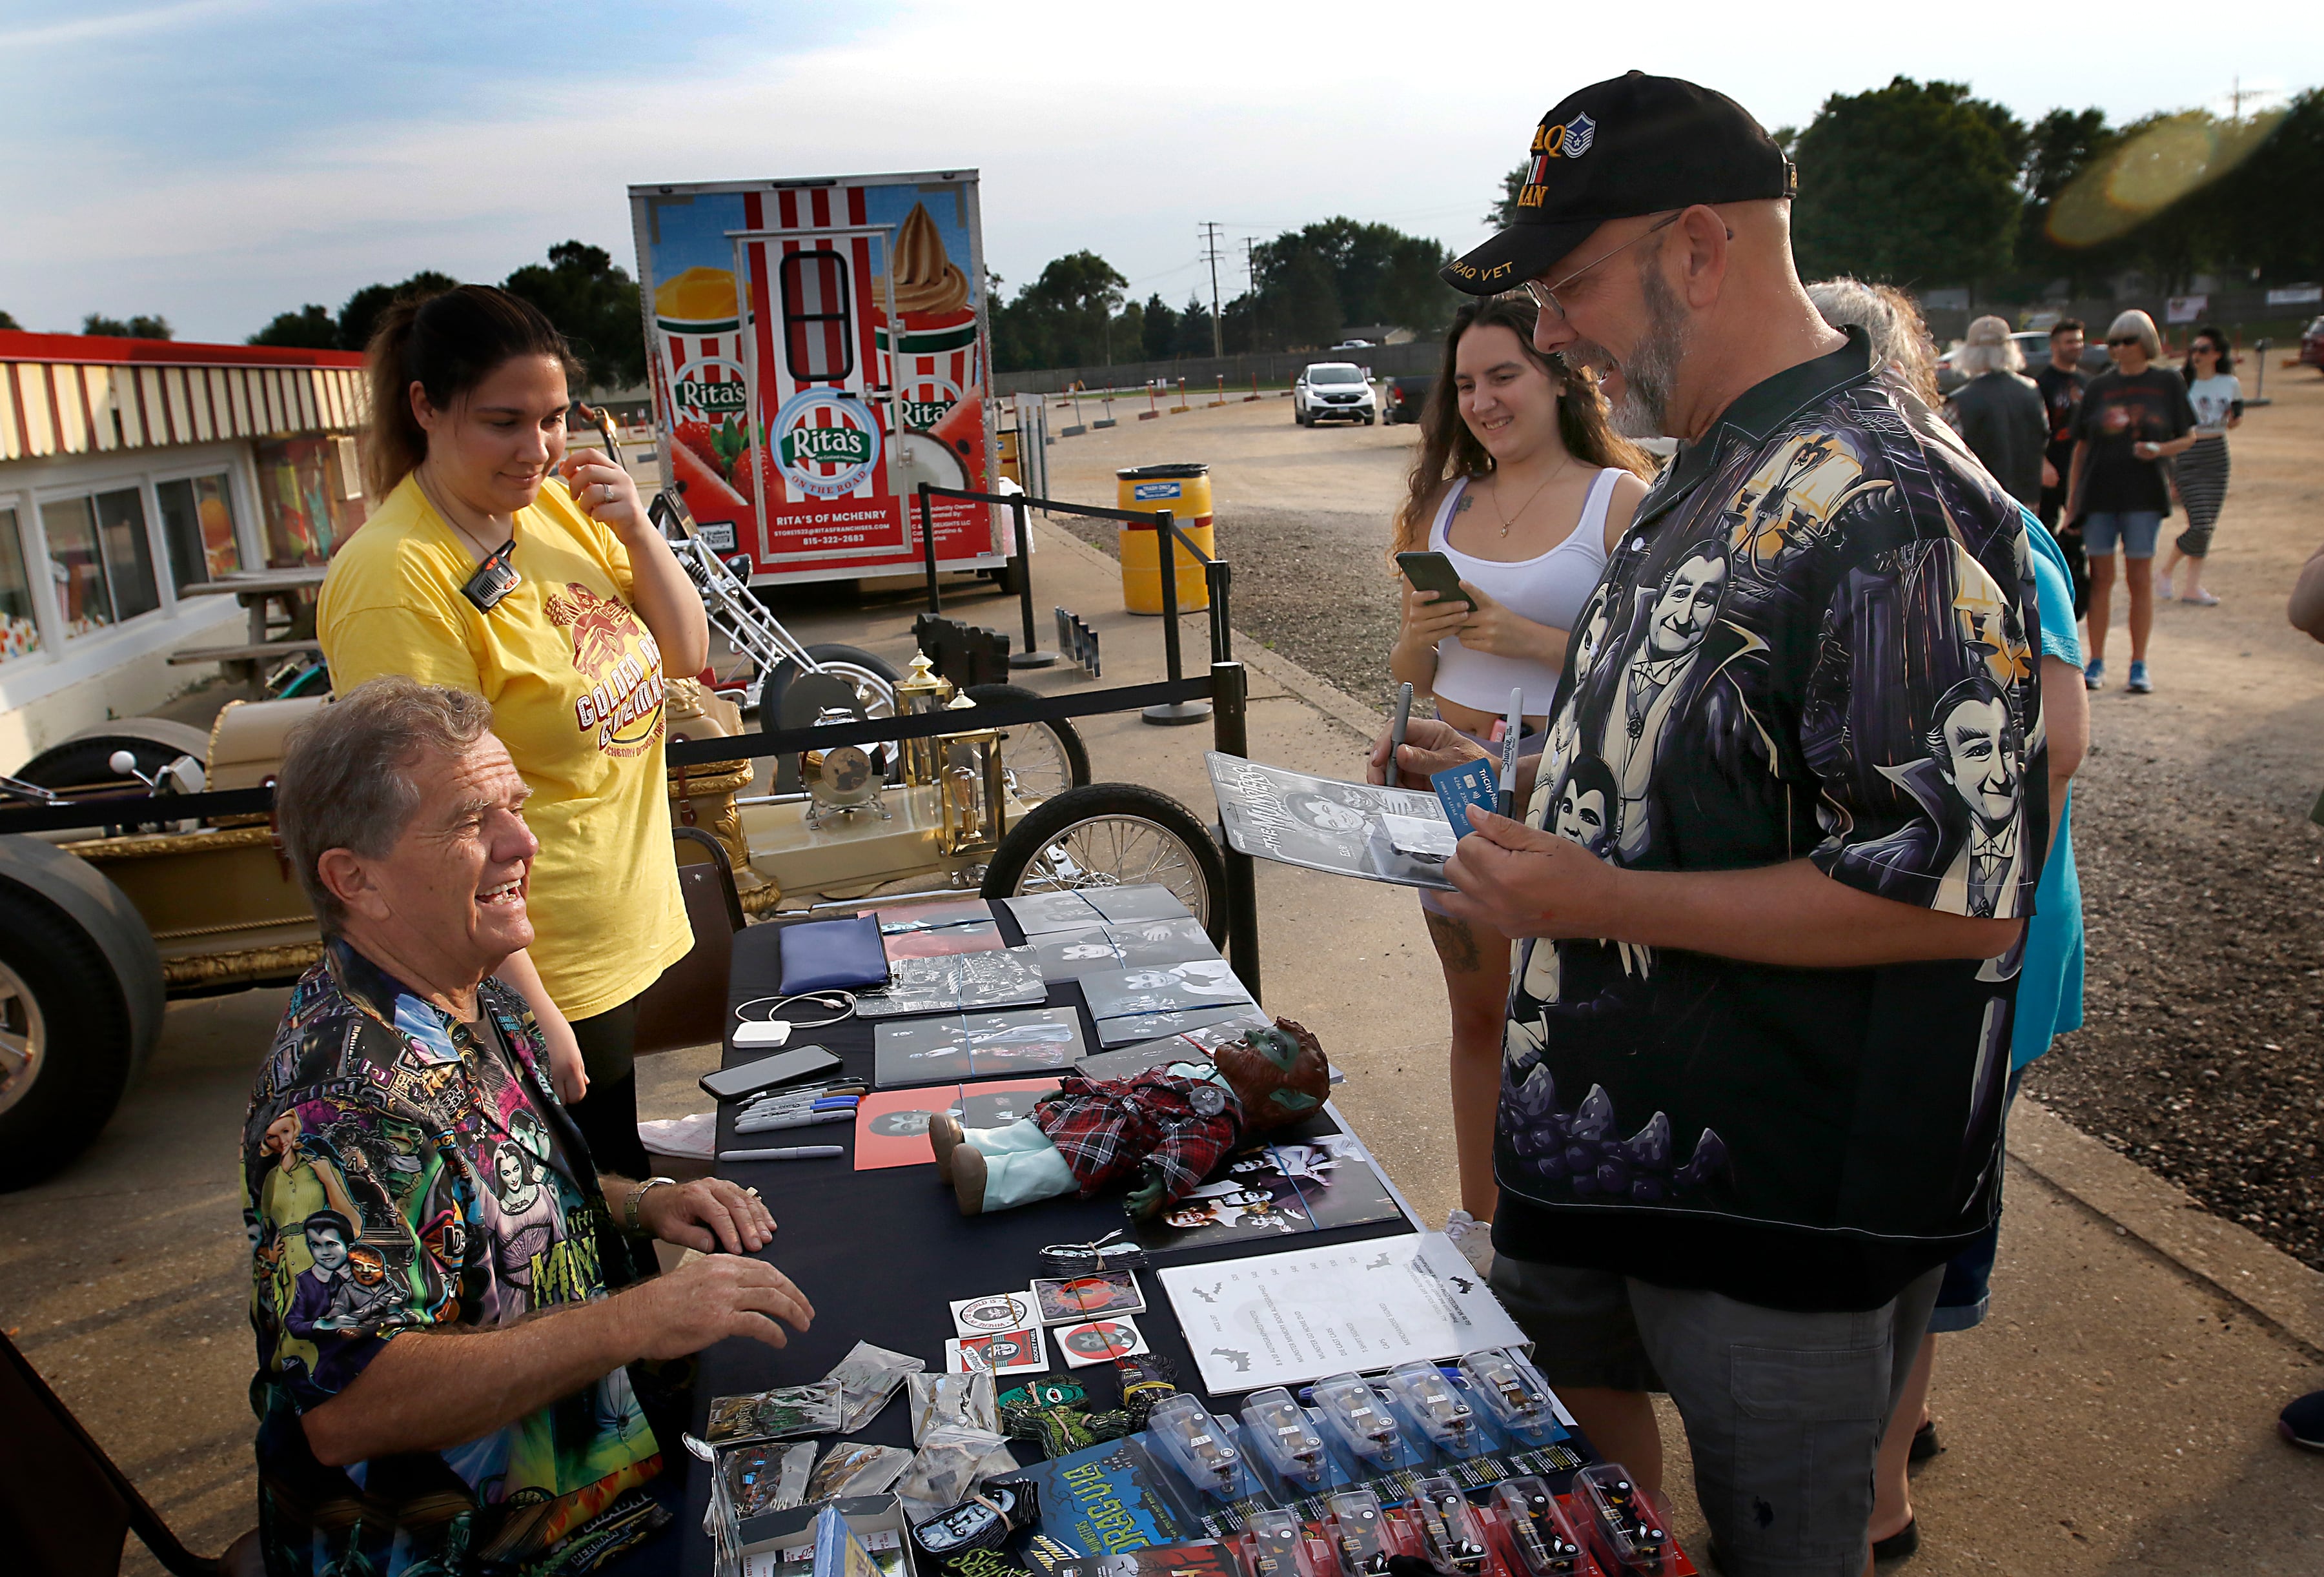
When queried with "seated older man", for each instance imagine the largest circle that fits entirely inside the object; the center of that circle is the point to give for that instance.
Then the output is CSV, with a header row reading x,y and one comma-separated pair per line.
x,y
441,1379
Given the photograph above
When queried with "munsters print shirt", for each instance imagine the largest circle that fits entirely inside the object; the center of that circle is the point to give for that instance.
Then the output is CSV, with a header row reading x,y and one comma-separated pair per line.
x,y
1813,644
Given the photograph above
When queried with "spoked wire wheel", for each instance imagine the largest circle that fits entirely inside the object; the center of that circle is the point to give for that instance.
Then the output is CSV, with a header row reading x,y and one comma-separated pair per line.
x,y
1040,761
24,1038
1113,834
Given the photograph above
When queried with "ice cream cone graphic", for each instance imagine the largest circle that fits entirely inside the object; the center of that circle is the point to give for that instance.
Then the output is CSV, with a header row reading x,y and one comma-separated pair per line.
x,y
931,362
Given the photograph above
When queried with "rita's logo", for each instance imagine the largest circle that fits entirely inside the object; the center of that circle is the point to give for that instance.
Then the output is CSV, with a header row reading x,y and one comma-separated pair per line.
x,y
712,388
826,442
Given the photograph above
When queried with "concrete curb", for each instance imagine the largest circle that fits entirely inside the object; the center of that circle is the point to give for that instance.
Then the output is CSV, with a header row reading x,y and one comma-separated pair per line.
x,y
2237,1263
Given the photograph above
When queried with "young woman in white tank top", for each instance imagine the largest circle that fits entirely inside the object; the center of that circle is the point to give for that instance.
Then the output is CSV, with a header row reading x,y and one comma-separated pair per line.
x,y
1522,483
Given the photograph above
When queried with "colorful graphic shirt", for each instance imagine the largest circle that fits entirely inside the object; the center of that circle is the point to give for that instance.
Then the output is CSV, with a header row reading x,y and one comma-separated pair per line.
x,y
1815,642
2118,413
402,1174
575,683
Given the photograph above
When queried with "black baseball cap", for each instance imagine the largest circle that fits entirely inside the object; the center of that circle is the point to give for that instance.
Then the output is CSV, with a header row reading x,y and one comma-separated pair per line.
x,y
1634,144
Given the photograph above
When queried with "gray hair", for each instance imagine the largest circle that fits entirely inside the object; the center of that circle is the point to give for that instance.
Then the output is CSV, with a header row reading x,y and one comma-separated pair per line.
x,y
2137,322
346,775
1989,349
1900,340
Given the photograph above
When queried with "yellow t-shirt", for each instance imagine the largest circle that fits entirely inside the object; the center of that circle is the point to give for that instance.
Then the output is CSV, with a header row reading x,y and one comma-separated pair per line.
x,y
575,683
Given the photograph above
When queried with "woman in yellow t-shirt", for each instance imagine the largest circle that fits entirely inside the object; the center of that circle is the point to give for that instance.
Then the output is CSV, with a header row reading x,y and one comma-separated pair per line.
x,y
569,642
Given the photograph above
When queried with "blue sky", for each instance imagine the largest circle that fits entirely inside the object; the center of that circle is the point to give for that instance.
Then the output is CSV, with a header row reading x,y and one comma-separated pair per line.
x,y
219,161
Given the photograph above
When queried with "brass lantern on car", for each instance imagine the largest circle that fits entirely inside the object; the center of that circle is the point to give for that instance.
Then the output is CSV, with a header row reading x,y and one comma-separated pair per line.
x,y
971,792
917,694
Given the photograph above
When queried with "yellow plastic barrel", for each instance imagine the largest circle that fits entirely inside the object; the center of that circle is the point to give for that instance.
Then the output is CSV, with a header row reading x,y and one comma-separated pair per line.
x,y
1184,489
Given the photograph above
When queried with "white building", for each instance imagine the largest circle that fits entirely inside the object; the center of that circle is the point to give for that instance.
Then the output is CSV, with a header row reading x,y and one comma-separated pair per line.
x,y
132,470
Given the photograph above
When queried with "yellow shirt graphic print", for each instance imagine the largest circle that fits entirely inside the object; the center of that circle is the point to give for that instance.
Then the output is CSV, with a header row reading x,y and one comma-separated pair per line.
x,y
575,683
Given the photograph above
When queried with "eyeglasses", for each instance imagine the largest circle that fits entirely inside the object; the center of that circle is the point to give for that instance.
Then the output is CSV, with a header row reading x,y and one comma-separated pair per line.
x,y
1545,296
2127,339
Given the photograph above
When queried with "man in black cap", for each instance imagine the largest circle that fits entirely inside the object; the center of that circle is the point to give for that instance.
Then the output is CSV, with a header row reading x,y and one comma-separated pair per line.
x,y
1737,1178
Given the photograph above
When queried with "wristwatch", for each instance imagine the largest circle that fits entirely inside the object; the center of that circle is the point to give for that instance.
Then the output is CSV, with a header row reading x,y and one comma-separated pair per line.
x,y
637,1194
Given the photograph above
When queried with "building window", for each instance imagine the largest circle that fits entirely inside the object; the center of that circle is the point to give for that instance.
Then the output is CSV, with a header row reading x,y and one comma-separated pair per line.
x,y
18,632
198,524
815,342
101,559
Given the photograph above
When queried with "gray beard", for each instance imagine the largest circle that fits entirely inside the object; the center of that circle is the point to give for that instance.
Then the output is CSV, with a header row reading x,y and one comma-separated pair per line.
x,y
1652,371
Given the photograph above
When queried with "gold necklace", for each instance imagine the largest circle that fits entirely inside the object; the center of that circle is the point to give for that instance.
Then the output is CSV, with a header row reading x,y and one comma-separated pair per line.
x,y
1509,520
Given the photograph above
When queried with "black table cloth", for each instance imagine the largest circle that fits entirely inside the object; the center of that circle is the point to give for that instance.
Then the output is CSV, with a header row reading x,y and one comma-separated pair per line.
x,y
882,1255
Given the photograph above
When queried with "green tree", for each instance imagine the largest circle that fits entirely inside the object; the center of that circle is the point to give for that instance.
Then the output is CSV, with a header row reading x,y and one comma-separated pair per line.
x,y
311,328
8,322
138,327
1161,332
1125,336
1061,318
1194,329
2059,147
361,314
2266,210
1313,282
1504,211
594,305
1914,184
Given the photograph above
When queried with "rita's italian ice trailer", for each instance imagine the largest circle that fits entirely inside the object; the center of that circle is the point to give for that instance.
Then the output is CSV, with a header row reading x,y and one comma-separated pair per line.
x,y
819,348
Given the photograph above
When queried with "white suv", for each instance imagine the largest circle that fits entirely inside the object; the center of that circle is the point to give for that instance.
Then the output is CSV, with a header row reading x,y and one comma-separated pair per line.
x,y
1334,391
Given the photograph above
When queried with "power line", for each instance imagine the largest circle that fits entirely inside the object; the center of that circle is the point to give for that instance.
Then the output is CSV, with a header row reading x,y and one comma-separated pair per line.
x,y
1210,256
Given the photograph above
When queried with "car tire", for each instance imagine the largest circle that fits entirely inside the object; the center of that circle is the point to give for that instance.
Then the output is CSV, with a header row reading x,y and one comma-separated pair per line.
x,y
1112,834
84,760
80,1005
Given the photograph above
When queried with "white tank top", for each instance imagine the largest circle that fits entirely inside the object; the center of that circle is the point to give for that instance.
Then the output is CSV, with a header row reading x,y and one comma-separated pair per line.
x,y
1549,589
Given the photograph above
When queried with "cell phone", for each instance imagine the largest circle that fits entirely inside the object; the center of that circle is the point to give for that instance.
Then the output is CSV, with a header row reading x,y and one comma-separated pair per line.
x,y
800,1062
1433,572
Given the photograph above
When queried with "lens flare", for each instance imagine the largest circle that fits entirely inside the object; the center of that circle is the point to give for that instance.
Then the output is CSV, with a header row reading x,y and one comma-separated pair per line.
x,y
2150,170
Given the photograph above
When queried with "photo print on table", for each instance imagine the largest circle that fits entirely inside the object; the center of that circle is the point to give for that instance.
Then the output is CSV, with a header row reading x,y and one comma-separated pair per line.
x,y
925,1051
1040,913
1019,1351
1148,901
1289,1187
892,1126
1067,1300
1136,1026
1169,987
1025,1041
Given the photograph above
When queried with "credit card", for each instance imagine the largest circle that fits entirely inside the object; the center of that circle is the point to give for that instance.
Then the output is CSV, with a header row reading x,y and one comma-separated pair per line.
x,y
1458,787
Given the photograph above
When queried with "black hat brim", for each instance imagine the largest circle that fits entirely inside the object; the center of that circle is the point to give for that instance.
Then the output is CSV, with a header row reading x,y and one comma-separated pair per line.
x,y
1520,252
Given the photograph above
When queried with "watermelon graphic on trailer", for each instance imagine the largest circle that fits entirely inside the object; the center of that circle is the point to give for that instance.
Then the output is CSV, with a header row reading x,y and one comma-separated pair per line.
x,y
826,442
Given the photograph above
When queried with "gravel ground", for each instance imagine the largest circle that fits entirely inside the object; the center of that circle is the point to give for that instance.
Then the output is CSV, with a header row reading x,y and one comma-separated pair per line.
x,y
2202,1054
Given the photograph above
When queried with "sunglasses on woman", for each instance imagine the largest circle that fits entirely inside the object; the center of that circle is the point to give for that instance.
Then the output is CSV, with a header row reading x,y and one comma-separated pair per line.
x,y
2127,339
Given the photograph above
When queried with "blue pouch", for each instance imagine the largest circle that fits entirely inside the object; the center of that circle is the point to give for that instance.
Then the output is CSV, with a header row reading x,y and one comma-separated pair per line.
x,y
822,955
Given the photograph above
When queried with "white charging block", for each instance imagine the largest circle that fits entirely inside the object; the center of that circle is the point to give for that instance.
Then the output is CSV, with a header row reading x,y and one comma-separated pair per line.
x,y
762,1032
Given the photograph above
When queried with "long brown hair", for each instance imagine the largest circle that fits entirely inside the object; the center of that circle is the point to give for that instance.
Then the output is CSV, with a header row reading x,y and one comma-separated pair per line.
x,y
446,344
1449,449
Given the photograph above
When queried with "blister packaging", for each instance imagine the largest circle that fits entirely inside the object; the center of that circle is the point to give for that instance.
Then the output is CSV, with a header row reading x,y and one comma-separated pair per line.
x,y
1628,1533
1279,1432
1353,1414
854,1468
1433,1407
780,1413
999,1509
1544,1540
768,1478
950,1461
963,1401
868,1376
1359,1533
1449,1529
1279,1544
1511,1389
1198,1444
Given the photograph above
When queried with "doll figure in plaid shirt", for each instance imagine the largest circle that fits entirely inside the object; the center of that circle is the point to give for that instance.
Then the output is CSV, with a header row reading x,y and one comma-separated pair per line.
x,y
1165,1129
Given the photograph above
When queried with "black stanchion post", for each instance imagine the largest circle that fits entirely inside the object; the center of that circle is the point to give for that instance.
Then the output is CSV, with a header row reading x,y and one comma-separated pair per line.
x,y
1177,713
1230,736
1032,656
928,551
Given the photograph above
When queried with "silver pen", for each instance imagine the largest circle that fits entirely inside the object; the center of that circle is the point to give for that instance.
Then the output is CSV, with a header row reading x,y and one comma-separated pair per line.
x,y
797,1153
791,1119
1395,729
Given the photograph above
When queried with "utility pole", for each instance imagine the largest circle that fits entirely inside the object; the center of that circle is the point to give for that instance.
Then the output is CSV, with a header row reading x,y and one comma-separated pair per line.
x,y
1210,256
1251,274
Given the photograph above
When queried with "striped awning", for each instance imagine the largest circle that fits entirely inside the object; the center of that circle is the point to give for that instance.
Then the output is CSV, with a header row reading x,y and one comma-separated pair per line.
x,y
76,395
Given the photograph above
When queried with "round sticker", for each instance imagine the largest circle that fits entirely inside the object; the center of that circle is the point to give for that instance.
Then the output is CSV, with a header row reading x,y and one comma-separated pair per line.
x,y
1000,1312
1100,1339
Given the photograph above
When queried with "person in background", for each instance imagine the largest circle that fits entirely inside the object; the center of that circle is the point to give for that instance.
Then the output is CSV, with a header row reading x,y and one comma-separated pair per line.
x,y
2133,417
2000,412
2201,472
1521,481
466,452
442,1337
2062,381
